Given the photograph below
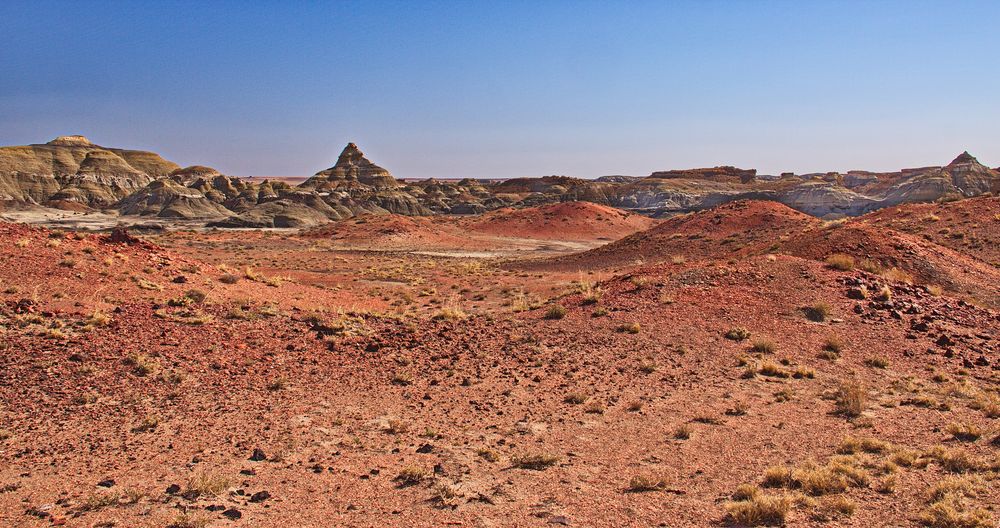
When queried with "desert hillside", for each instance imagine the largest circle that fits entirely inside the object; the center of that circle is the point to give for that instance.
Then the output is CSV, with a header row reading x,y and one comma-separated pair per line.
x,y
742,365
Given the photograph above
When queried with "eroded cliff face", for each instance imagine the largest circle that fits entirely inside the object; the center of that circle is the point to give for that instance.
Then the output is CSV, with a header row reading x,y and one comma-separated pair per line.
x,y
70,172
72,169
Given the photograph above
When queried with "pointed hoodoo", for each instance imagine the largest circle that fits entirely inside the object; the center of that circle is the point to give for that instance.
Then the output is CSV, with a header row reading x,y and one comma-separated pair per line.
x,y
353,166
964,157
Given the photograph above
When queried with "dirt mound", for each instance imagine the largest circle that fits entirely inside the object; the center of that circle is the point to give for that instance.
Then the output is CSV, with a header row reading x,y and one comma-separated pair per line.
x,y
734,228
392,231
968,226
564,221
879,250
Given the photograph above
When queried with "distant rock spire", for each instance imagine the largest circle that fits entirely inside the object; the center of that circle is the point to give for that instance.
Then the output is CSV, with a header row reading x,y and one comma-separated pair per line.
x,y
964,157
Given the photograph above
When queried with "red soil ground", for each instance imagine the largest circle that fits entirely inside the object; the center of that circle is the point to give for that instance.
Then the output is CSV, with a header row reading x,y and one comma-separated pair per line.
x,y
342,405
562,221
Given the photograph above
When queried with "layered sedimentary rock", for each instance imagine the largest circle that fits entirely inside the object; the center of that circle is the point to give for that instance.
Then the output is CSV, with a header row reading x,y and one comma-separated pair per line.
x,y
71,169
352,168
72,173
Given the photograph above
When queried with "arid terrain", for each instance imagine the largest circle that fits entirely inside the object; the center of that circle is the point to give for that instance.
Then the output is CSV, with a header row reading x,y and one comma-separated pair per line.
x,y
564,364
356,352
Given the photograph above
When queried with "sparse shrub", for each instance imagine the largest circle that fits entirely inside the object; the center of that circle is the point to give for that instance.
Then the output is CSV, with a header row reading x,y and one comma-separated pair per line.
x,y
147,285
196,296
450,313
647,367
402,378
818,311
768,368
737,334
833,344
99,501
412,475
207,484
643,483
488,454
778,477
98,319
556,311
745,492
575,398
803,373
599,312
188,521
537,462
877,362
955,460
851,399
629,328
952,512
965,432
147,424
830,508
840,262
884,294
142,365
764,346
897,275
229,278
683,432
277,384
589,293
396,426
761,510
871,266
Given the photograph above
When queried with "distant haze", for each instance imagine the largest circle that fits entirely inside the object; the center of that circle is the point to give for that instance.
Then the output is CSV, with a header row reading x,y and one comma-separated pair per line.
x,y
509,89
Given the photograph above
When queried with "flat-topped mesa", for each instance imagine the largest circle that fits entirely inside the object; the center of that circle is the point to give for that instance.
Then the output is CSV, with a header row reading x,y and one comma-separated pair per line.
x,y
71,141
724,174
353,166
188,174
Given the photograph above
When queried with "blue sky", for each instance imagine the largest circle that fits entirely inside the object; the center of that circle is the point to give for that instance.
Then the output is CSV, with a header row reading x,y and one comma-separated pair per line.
x,y
503,89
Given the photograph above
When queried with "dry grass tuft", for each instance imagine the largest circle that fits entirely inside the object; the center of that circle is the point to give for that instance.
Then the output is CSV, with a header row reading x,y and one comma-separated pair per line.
x,y
840,262
642,483
852,398
537,461
964,432
760,510
207,484
556,311
412,475
818,311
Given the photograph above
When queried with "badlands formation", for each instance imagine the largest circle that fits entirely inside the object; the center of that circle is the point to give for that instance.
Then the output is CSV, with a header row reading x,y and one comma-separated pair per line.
x,y
72,174
704,347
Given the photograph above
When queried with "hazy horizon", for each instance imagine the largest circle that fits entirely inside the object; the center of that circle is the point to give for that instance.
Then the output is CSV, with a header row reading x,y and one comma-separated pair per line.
x,y
452,90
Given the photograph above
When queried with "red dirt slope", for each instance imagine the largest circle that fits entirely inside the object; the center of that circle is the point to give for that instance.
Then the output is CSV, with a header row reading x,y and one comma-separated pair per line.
x,y
968,226
735,228
561,221
392,231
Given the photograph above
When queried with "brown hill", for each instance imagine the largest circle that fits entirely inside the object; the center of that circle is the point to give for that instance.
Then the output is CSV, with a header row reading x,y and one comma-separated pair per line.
x,y
968,226
563,221
734,228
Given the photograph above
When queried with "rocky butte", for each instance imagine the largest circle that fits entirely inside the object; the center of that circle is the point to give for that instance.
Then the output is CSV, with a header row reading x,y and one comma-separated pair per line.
x,y
72,173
